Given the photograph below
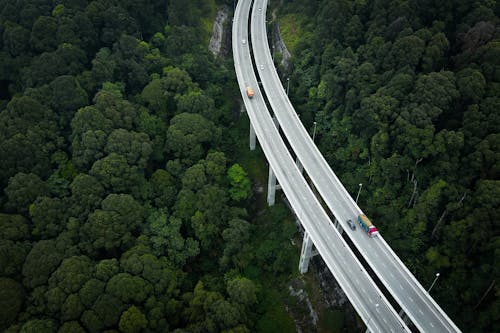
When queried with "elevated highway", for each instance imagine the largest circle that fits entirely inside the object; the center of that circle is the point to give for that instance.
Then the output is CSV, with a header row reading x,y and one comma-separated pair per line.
x,y
366,298
416,302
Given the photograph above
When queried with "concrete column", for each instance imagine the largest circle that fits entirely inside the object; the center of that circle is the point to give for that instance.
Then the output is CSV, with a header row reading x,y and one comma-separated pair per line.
x,y
306,254
252,137
271,187
276,122
299,165
339,227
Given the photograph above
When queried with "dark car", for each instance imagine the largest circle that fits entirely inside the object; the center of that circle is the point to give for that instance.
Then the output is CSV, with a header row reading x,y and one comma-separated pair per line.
x,y
351,224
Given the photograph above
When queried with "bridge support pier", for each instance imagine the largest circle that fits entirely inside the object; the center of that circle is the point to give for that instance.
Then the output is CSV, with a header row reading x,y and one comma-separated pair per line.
x,y
252,137
299,165
306,253
276,123
271,187
339,227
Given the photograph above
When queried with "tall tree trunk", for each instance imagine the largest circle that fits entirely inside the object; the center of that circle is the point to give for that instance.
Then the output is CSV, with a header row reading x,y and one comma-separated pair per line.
x,y
484,295
445,213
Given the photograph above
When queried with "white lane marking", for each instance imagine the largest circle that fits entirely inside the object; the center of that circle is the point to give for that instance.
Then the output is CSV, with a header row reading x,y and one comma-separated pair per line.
x,y
392,275
432,325
385,321
421,312
392,330
411,299
401,286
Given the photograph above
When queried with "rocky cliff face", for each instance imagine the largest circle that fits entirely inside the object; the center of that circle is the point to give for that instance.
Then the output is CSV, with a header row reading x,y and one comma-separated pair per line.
x,y
279,46
221,33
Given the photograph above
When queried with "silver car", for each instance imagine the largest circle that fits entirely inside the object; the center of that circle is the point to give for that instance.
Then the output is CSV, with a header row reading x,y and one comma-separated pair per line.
x,y
351,224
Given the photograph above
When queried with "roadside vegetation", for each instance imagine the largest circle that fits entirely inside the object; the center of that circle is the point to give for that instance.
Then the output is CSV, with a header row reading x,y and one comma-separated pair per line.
x,y
405,96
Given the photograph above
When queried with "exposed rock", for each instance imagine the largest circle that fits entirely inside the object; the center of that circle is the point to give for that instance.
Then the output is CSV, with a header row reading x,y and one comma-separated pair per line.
x,y
220,33
280,47
308,318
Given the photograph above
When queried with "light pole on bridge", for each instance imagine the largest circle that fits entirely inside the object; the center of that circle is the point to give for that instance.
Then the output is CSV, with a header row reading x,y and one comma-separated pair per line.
x,y
433,282
359,191
314,130
287,85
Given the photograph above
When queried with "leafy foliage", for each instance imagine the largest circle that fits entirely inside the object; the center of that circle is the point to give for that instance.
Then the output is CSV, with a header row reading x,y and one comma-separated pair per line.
x,y
405,88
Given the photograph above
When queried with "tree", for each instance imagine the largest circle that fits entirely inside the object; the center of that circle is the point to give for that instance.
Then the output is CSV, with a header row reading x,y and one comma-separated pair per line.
x,y
12,257
67,96
471,84
225,314
161,274
72,308
116,175
13,227
39,325
215,165
88,148
128,288
111,227
164,189
71,327
11,301
135,147
43,34
91,290
132,320
154,96
28,137
107,268
89,118
241,187
406,51
194,178
15,38
47,215
104,66
23,189
242,291
86,195
71,275
166,238
236,237
188,135
108,309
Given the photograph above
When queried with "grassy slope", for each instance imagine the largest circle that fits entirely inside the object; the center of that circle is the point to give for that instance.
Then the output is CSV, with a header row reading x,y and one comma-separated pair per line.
x,y
293,28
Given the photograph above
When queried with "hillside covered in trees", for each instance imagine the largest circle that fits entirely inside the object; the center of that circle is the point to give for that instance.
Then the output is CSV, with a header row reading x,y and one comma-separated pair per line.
x,y
122,207
406,97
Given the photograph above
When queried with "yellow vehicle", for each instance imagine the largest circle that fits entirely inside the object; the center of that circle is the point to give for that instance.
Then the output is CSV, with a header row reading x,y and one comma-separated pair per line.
x,y
250,92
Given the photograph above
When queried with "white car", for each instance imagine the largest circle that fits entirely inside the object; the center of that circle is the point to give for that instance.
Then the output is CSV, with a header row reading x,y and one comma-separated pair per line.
x,y
244,41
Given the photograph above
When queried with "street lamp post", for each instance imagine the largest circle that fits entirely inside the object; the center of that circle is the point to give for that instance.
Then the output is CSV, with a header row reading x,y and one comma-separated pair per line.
x,y
359,191
433,282
287,85
314,130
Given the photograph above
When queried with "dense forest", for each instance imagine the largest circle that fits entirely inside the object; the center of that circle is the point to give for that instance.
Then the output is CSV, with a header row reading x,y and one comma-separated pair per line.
x,y
122,203
406,98
122,206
